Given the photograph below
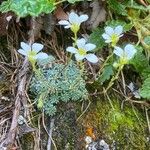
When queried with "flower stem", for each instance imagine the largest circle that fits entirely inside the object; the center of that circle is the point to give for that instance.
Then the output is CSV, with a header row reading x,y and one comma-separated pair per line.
x,y
75,39
105,62
81,65
114,78
59,2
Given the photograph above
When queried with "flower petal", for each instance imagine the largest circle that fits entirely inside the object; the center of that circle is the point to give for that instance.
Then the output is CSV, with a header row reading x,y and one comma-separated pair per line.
x,y
79,57
64,22
92,58
89,47
129,51
106,36
74,18
118,30
108,41
37,47
119,51
71,49
81,43
120,35
41,55
25,46
67,27
23,52
109,30
83,18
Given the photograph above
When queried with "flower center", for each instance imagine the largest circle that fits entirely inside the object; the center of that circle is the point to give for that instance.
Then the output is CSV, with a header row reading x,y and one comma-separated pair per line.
x,y
114,39
31,53
31,56
75,27
124,59
82,51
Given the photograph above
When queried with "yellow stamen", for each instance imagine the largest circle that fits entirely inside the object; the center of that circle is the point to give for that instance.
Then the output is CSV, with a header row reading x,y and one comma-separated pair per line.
x,y
31,56
82,51
114,39
75,28
31,53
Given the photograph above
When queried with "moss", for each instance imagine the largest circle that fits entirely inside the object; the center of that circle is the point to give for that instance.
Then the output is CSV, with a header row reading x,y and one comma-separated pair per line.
x,y
68,132
27,142
126,127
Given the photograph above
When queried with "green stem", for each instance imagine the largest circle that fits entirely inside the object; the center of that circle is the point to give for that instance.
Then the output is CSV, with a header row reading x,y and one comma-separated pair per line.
x,y
33,67
110,102
75,39
105,62
114,78
36,71
59,2
81,64
74,44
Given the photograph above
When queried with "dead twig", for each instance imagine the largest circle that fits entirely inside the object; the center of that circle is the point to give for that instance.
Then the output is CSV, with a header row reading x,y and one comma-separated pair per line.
x,y
98,14
50,134
147,118
20,97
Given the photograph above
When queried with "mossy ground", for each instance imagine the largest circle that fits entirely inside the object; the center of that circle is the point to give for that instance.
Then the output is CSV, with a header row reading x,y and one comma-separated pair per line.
x,y
122,129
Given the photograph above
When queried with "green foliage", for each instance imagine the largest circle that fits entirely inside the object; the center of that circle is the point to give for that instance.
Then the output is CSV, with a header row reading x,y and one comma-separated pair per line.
x,y
117,7
145,90
140,63
121,7
132,4
96,38
107,73
115,23
58,83
142,66
146,72
147,40
28,7
23,8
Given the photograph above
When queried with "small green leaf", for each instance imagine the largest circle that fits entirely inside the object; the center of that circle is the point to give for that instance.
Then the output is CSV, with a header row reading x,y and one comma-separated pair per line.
x,y
134,5
145,90
141,63
24,8
117,7
107,73
146,72
97,39
147,40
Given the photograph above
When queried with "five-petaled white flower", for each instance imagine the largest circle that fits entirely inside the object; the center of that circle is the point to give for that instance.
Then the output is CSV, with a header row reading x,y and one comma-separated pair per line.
x,y
112,35
32,51
125,54
74,21
81,51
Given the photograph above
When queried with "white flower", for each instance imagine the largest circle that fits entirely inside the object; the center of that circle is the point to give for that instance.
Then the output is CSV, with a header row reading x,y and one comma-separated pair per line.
x,y
32,52
112,35
21,120
134,91
74,21
88,139
125,54
103,144
81,51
